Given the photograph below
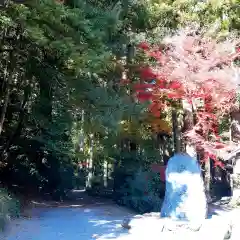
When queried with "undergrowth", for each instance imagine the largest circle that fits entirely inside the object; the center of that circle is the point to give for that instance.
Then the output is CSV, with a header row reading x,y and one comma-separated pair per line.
x,y
9,207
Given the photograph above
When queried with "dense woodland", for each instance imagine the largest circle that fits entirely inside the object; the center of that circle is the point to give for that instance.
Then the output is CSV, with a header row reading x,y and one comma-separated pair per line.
x,y
93,93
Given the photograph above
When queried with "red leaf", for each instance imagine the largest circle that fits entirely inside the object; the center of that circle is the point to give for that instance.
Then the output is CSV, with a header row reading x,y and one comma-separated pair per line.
x,y
218,96
153,105
156,113
175,85
219,145
174,95
208,107
218,164
155,108
213,157
155,54
144,96
209,115
143,46
161,85
147,74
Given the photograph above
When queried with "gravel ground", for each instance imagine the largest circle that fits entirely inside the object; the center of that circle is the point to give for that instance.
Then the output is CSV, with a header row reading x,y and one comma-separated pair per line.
x,y
86,220
69,223
82,218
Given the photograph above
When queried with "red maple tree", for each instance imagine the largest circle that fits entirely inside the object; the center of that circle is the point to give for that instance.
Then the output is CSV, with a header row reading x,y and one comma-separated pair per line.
x,y
190,67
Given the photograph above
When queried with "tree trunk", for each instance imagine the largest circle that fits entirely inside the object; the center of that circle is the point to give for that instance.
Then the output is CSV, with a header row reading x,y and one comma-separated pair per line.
x,y
188,124
18,129
46,97
207,178
176,131
105,173
90,163
8,78
5,105
234,134
235,182
81,135
235,127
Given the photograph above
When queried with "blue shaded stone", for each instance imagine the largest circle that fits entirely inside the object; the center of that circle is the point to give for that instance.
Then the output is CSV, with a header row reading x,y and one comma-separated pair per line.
x,y
185,197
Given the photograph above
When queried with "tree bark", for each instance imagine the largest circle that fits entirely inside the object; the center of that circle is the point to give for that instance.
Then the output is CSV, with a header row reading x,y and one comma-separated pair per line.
x,y
8,78
105,173
90,162
46,95
81,135
18,129
207,178
188,124
235,127
176,131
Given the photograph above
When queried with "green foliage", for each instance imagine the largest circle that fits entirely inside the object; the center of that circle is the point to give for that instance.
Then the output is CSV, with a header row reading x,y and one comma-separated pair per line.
x,y
219,17
141,192
59,53
61,102
9,207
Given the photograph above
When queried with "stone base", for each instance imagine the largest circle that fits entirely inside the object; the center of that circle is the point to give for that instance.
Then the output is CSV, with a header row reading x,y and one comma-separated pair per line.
x,y
146,227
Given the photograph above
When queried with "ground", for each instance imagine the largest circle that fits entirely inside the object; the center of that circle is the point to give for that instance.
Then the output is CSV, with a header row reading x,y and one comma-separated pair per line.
x,y
85,218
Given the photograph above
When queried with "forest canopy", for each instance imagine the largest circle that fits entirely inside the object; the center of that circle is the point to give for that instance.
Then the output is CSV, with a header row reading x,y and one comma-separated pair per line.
x,y
81,84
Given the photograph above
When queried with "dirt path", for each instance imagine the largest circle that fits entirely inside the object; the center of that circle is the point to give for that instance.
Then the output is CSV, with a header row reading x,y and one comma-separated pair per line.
x,y
78,198
83,218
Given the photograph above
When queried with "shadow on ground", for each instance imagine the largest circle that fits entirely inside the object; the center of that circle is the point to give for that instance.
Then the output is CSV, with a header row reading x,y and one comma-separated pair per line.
x,y
69,224
82,218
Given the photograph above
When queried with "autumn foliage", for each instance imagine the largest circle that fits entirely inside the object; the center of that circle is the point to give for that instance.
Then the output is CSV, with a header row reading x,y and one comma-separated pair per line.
x,y
193,69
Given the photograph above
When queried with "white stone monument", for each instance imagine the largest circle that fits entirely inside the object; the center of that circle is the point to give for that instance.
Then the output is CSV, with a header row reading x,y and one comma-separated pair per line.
x,y
184,210
185,197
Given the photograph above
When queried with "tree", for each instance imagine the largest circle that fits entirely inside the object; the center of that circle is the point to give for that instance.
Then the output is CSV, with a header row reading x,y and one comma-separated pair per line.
x,y
54,59
191,67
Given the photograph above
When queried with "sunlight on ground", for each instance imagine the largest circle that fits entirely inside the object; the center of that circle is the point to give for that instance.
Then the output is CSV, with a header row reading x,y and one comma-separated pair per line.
x,y
69,224
102,223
